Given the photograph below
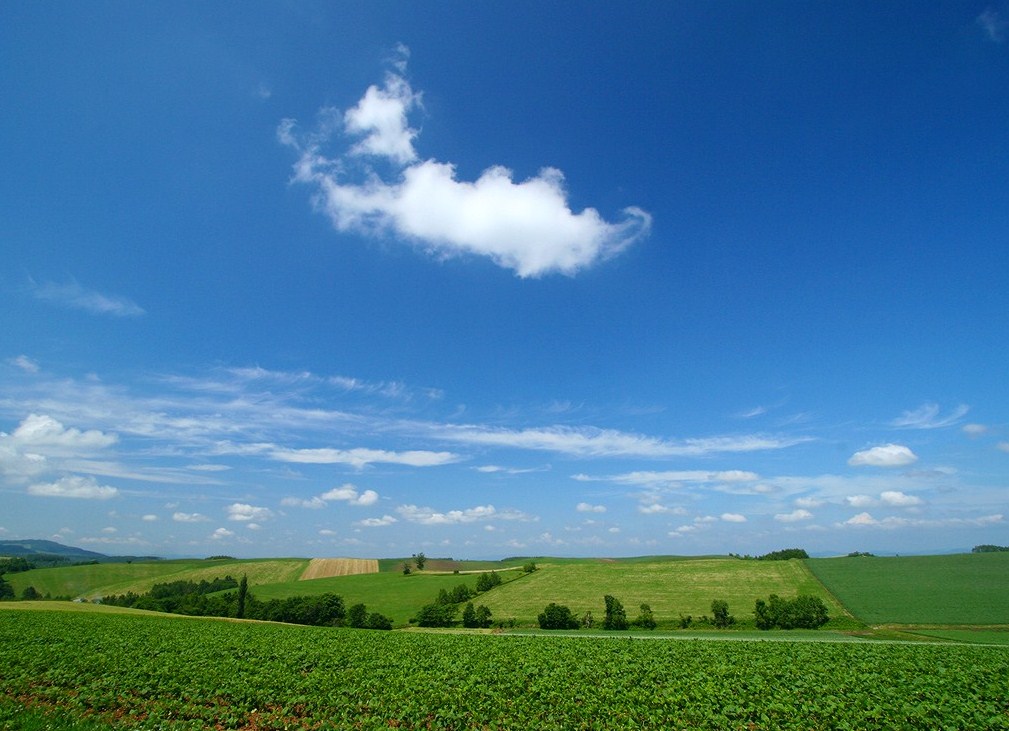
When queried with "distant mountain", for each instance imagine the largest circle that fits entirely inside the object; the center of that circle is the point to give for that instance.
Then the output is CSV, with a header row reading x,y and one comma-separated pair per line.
x,y
53,552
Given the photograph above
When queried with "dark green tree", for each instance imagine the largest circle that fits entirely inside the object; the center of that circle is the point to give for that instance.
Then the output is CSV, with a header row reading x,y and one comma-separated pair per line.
x,y
357,616
557,616
645,620
720,616
406,569
243,596
437,615
469,616
420,559
616,617
6,590
483,617
30,594
378,621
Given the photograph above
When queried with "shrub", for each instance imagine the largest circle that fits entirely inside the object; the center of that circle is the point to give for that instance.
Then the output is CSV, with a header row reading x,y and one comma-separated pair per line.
x,y
803,612
645,620
557,616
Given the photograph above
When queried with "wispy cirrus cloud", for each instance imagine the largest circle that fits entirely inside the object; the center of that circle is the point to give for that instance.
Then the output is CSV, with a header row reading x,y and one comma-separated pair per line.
x,y
74,296
993,25
528,226
428,516
866,520
928,416
596,442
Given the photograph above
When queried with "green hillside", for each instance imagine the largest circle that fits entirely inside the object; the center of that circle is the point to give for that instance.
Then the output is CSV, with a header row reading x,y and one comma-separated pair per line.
x,y
968,588
671,586
97,580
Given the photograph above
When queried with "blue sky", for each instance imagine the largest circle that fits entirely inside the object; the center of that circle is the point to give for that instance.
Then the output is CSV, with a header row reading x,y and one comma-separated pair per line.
x,y
481,280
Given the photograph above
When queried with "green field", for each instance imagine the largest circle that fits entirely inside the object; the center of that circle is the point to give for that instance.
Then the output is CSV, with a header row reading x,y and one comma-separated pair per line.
x,y
394,595
155,672
97,580
671,586
959,589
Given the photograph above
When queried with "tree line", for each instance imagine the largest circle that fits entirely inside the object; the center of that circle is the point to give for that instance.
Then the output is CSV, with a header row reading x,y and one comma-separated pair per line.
x,y
804,611
212,599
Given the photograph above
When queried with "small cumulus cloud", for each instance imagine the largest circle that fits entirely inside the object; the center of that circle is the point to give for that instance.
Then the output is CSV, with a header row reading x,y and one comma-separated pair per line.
x,y
589,508
150,518
526,226
221,534
244,512
974,430
347,493
189,517
897,499
427,516
649,508
377,522
795,516
733,518
887,455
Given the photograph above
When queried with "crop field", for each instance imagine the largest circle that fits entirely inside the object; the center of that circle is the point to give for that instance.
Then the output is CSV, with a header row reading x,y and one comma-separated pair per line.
x,y
962,589
670,586
99,580
324,568
152,672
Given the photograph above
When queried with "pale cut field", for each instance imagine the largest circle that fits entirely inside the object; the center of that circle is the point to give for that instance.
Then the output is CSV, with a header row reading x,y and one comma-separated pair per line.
x,y
324,568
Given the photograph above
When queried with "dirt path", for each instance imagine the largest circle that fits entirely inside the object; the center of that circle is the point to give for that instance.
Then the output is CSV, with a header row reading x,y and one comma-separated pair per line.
x,y
321,568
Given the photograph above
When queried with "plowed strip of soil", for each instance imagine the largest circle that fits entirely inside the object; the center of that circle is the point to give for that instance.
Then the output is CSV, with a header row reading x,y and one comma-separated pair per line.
x,y
322,568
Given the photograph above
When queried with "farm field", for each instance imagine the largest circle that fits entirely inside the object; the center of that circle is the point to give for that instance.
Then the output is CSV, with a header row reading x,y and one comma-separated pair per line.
x,y
97,580
394,595
958,589
671,586
151,672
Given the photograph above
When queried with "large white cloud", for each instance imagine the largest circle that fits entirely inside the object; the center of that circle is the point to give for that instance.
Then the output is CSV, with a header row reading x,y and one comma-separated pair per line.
x,y
886,455
527,226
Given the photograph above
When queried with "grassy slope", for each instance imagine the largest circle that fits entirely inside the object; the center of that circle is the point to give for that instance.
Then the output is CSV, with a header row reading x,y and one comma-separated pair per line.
x,y
118,578
670,586
394,595
955,589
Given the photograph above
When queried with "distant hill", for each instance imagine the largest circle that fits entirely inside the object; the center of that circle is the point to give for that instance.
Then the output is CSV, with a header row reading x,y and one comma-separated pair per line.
x,y
42,551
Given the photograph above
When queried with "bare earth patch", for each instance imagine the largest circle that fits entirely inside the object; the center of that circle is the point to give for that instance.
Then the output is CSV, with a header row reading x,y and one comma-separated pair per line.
x,y
323,568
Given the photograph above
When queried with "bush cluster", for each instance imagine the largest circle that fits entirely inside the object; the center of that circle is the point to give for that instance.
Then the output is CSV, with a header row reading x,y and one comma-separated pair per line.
x,y
803,612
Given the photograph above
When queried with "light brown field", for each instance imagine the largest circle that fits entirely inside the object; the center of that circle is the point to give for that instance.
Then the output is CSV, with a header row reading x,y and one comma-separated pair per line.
x,y
323,568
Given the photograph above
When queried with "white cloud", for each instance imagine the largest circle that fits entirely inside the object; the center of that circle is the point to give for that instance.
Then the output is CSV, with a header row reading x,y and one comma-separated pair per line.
x,y
293,502
221,533
993,25
595,442
588,508
795,516
327,532
660,509
24,363
866,520
45,434
808,502
1002,446
74,296
362,457
525,226
897,499
427,516
246,512
887,455
150,518
927,416
974,430
377,522
860,501
189,518
74,487
733,518
349,494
